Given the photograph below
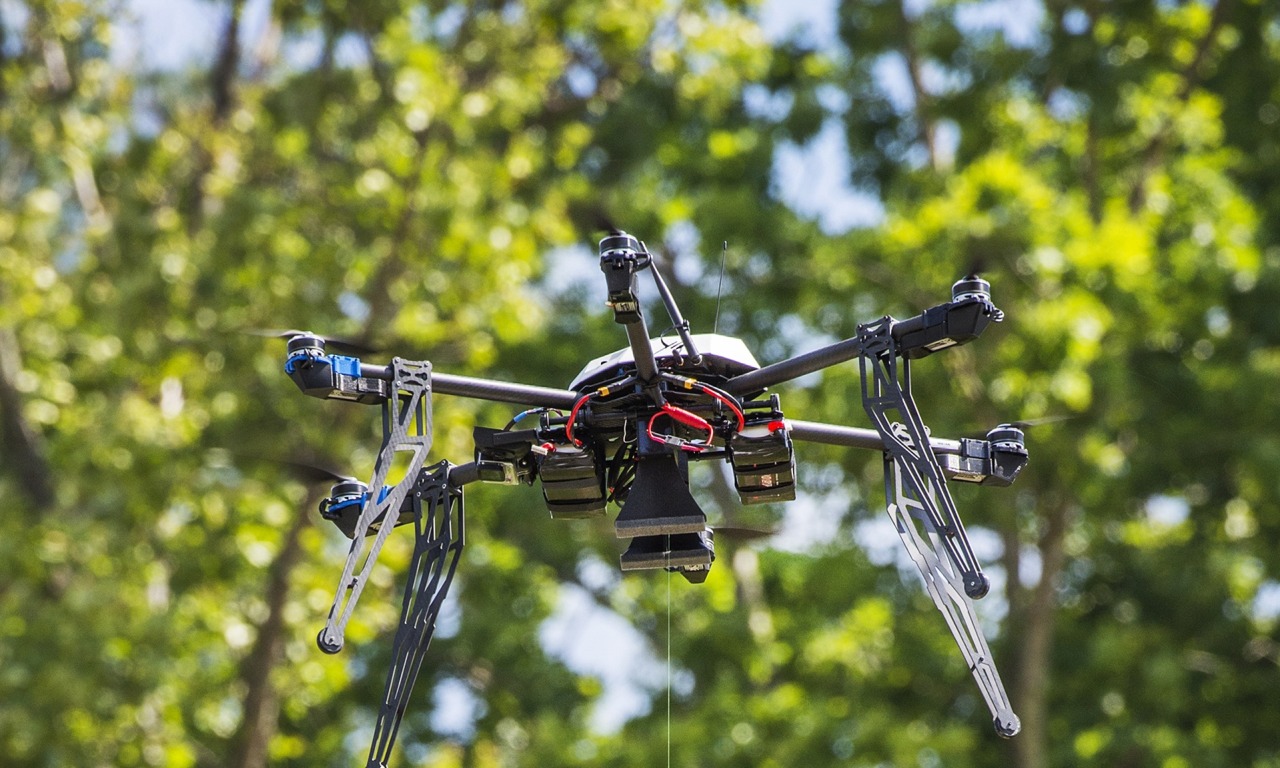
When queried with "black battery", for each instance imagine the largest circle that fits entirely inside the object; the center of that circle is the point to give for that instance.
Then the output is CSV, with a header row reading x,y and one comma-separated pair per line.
x,y
572,483
764,465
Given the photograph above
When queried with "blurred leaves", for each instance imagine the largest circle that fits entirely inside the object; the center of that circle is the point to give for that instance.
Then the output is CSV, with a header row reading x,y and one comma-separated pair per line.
x,y
424,177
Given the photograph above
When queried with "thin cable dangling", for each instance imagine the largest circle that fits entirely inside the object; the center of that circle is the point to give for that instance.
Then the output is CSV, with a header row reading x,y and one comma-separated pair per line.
x,y
668,658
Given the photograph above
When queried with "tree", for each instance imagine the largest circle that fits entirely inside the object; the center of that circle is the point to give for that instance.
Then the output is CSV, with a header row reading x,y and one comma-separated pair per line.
x,y
1095,179
399,172
401,187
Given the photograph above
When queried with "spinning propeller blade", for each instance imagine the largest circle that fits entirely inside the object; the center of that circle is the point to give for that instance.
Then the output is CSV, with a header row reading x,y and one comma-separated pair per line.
x,y
310,472
605,222
336,343
741,532
1025,424
307,470
1043,420
977,265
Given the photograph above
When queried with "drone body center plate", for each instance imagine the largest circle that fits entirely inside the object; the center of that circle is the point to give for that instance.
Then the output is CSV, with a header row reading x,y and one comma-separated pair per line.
x,y
722,356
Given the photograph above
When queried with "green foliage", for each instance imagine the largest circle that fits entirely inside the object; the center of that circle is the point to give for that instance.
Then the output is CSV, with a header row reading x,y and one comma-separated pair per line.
x,y
404,173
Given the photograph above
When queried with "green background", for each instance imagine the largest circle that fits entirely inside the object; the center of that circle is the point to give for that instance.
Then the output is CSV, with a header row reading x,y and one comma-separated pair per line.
x,y
431,177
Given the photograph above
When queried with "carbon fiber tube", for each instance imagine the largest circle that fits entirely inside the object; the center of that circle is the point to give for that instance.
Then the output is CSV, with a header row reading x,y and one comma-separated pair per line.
x,y
485,389
463,474
677,320
642,351
832,354
855,437
502,392
794,368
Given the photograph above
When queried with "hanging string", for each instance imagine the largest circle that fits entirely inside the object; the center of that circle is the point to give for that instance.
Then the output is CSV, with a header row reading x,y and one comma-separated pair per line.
x,y
668,648
668,657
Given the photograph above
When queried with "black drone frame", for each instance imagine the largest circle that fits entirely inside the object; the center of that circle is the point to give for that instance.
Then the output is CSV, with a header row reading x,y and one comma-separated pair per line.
x,y
609,448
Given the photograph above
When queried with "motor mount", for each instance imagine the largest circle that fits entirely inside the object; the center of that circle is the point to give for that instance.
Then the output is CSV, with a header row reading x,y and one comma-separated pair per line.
x,y
996,461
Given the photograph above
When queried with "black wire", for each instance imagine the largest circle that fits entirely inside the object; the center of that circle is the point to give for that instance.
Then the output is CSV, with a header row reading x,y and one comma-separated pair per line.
x,y
623,486
622,459
621,470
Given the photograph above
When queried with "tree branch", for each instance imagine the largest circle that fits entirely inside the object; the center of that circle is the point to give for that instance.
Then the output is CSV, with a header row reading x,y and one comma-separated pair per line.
x,y
194,203
1092,172
3,39
261,701
55,63
746,566
1011,560
381,306
22,445
1192,75
924,123
1032,681
222,78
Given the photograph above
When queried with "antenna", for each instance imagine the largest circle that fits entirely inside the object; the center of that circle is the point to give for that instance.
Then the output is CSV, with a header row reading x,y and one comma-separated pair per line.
x,y
724,250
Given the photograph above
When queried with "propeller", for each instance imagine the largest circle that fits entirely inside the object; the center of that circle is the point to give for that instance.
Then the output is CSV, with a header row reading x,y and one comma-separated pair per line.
x,y
977,265
336,343
1041,421
308,470
601,220
741,532
1026,424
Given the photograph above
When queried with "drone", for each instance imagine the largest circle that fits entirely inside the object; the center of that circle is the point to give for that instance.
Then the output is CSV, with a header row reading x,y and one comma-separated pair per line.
x,y
624,433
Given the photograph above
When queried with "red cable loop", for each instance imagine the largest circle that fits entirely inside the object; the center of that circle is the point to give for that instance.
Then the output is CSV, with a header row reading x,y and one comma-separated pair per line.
x,y
686,418
573,416
742,422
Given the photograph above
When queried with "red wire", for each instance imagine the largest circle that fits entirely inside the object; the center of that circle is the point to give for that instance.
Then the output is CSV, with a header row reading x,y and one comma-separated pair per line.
x,y
652,419
742,422
573,417
675,413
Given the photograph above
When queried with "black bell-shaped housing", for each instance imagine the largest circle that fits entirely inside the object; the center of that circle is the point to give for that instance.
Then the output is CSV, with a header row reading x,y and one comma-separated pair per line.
x,y
659,502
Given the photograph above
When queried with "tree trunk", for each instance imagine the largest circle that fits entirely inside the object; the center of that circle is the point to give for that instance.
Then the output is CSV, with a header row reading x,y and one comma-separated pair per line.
x,y
261,702
22,446
1031,687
